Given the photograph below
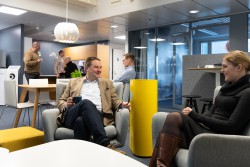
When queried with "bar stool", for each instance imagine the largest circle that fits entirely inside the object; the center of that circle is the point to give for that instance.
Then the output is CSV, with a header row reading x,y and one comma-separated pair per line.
x,y
191,101
208,102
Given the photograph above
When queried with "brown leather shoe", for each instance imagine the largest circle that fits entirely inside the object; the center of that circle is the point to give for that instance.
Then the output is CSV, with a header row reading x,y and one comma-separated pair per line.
x,y
112,147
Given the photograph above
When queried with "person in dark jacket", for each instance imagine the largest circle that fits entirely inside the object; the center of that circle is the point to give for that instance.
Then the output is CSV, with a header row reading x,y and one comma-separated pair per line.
x,y
70,67
228,115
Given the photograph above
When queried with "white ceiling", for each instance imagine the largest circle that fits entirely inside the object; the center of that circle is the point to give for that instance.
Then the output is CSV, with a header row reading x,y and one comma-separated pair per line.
x,y
40,26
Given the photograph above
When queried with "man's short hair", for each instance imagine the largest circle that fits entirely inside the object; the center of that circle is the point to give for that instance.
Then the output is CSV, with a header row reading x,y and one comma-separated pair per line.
x,y
60,51
129,56
88,61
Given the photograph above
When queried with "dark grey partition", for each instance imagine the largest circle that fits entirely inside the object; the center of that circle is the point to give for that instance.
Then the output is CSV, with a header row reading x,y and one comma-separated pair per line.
x,y
199,82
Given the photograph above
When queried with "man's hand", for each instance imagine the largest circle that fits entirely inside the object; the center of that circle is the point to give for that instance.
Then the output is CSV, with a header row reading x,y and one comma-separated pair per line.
x,y
70,102
39,60
126,105
186,110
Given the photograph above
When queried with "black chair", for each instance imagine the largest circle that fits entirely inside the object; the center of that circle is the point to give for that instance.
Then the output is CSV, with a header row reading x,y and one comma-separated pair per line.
x,y
208,102
191,101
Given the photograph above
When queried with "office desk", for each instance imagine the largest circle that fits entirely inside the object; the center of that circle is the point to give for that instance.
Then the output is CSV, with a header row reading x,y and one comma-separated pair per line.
x,y
37,90
211,70
68,153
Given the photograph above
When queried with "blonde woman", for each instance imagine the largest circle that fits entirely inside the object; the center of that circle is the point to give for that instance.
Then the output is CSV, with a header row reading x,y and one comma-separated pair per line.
x,y
228,115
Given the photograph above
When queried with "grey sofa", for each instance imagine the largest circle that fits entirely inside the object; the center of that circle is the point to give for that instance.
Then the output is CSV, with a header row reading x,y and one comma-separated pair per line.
x,y
117,133
210,150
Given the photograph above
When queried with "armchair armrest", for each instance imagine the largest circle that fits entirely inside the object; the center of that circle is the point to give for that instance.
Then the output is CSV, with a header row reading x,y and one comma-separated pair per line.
x,y
208,150
49,123
157,124
121,123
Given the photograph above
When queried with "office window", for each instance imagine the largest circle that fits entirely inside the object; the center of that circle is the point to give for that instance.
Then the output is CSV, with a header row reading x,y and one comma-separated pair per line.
x,y
204,47
218,47
214,31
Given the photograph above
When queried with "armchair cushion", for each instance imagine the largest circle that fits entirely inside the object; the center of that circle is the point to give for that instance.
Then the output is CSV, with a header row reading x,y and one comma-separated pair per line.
x,y
65,133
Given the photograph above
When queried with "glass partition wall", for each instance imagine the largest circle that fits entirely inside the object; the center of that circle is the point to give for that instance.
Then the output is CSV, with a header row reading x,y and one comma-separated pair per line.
x,y
159,54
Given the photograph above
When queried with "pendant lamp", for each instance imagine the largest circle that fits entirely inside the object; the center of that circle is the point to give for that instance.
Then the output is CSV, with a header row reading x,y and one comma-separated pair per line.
x,y
66,32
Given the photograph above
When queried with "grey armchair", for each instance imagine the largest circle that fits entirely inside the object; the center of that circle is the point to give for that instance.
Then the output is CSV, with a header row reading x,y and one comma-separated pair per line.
x,y
208,150
117,134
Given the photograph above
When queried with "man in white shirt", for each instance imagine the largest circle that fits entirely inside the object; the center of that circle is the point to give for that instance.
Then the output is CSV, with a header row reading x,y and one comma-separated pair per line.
x,y
95,110
59,65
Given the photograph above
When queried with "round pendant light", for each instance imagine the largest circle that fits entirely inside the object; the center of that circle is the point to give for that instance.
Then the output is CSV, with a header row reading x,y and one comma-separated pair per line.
x,y
66,32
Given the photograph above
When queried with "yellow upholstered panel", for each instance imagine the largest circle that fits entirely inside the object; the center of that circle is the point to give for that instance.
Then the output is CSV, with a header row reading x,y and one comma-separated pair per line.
x,y
20,138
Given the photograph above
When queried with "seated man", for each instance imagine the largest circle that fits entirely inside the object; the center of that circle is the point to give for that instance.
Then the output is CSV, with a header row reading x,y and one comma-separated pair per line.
x,y
89,116
129,73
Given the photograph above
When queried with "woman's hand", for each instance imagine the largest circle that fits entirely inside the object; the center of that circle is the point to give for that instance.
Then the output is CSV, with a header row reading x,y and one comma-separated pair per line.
x,y
186,110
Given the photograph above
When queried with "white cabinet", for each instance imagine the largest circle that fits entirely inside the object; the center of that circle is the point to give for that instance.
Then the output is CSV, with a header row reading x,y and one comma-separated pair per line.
x,y
8,74
2,78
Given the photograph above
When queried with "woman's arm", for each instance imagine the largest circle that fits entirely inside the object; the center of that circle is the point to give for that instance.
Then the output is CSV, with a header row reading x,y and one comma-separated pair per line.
x,y
234,123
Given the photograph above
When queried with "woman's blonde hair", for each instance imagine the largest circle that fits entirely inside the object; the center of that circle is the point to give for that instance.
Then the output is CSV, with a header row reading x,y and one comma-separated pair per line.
x,y
237,57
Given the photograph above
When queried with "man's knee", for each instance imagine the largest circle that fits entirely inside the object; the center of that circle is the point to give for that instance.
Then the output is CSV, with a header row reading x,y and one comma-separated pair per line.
x,y
86,102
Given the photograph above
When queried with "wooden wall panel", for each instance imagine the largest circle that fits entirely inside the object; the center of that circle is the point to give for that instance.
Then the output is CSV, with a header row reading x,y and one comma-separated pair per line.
x,y
103,55
81,52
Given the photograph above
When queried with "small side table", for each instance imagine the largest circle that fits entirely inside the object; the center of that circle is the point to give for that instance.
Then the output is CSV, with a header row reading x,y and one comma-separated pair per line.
x,y
191,101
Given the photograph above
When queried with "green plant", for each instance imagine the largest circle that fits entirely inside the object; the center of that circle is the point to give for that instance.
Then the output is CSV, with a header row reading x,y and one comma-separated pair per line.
x,y
76,74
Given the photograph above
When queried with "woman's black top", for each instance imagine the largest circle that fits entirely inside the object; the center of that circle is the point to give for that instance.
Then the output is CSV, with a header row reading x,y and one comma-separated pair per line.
x,y
231,110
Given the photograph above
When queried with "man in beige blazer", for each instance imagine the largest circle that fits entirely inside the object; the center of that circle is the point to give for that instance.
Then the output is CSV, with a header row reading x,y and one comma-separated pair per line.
x,y
89,116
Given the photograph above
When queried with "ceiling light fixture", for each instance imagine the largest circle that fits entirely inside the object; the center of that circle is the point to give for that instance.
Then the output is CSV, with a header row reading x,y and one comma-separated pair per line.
x,y
194,11
113,26
13,11
157,39
123,37
178,43
66,32
140,47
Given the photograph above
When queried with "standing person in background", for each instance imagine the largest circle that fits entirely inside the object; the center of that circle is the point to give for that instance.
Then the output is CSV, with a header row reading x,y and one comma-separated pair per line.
x,y
32,62
59,65
70,67
129,73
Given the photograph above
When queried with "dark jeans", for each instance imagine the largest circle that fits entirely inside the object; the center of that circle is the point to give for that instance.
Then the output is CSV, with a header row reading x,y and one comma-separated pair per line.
x,y
86,121
29,76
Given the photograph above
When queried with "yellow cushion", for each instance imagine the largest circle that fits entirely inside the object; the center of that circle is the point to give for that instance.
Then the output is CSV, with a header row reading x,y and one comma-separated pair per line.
x,y
20,138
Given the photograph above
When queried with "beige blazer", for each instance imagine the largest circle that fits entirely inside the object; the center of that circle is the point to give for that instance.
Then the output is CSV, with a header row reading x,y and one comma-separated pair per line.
x,y
109,98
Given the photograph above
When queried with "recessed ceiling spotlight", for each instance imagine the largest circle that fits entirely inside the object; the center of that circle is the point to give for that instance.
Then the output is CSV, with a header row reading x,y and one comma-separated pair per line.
x,y
147,33
113,26
194,11
13,11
